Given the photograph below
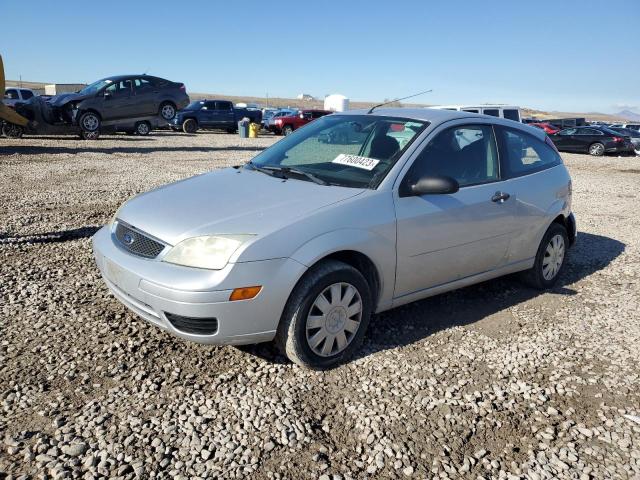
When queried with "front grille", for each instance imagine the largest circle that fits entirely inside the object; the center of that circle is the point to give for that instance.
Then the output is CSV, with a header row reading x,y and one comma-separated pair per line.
x,y
196,326
136,242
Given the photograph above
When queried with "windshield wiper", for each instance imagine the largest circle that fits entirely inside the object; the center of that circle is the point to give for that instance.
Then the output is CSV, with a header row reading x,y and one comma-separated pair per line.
x,y
286,171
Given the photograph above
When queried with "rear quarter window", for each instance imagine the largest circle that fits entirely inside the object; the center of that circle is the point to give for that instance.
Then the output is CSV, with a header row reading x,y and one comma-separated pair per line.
x,y
494,112
511,114
523,154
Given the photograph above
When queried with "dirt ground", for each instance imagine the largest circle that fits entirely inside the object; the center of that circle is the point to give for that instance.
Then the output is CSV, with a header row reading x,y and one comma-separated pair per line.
x,y
491,381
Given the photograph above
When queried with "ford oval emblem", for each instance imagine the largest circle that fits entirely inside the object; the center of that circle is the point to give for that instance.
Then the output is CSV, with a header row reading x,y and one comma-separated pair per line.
x,y
128,239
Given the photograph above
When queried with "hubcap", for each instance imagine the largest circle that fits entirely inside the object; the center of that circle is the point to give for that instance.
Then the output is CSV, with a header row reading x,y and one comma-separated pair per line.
x,y
143,128
596,149
334,319
553,257
90,122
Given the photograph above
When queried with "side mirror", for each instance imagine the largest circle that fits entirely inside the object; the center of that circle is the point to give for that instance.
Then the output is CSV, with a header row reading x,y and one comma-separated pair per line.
x,y
434,185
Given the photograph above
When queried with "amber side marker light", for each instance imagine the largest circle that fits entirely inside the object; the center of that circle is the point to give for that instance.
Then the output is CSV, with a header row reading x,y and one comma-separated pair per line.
x,y
244,293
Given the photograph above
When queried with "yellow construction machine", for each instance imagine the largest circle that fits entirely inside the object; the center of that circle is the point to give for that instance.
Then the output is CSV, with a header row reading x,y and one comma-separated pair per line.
x,y
12,123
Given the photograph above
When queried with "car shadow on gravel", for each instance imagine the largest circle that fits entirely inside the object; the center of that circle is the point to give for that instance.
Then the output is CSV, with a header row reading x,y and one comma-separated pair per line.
x,y
49,237
411,323
53,150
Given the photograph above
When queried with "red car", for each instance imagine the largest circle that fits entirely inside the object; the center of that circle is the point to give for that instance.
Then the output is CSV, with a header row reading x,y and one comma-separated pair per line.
x,y
286,125
547,127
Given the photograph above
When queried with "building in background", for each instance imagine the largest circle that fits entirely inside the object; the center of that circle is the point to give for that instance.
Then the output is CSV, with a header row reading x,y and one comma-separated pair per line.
x,y
336,103
58,88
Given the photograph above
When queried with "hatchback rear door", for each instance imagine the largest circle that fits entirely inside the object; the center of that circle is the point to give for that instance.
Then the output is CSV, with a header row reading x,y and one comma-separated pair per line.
x,y
444,238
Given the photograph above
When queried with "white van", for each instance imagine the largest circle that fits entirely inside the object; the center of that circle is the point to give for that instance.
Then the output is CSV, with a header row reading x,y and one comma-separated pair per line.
x,y
510,112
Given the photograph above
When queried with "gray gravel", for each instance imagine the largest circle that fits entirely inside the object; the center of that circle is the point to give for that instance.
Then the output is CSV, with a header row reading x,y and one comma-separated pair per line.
x,y
492,381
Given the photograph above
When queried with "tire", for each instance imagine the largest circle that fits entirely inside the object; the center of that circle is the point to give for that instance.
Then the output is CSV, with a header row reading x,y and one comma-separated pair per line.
x,y
308,345
11,130
543,275
190,125
287,130
167,111
143,128
84,135
89,122
596,149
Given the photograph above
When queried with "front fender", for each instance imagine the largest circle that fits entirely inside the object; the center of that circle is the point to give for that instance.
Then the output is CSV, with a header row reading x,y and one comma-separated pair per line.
x,y
379,249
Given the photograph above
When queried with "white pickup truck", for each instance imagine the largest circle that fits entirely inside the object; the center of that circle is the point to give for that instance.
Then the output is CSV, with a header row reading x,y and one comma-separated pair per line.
x,y
13,95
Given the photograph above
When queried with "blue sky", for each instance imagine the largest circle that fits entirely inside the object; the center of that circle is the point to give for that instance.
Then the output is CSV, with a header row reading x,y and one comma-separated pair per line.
x,y
555,55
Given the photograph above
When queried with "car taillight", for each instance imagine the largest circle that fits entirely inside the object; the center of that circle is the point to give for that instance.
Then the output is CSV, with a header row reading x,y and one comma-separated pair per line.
x,y
617,139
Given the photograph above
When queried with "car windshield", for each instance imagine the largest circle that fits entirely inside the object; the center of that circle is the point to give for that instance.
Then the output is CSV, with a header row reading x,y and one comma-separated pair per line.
x,y
95,86
346,150
194,106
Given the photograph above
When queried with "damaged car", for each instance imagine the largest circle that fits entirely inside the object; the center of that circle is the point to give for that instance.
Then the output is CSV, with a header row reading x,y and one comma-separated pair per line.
x,y
138,100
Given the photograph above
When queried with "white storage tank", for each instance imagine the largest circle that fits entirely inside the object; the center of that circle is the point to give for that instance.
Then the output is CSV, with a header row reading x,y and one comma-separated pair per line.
x,y
336,103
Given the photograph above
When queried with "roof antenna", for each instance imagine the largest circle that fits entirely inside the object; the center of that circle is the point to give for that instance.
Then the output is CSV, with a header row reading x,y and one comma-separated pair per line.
x,y
397,100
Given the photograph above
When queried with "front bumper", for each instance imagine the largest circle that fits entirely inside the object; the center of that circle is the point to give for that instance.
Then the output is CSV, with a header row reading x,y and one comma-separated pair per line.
x,y
152,289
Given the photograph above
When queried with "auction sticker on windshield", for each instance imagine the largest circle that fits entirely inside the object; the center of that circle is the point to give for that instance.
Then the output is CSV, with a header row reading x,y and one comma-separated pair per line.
x,y
365,163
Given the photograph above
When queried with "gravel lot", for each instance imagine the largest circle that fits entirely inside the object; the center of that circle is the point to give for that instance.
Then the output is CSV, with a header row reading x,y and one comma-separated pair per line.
x,y
492,381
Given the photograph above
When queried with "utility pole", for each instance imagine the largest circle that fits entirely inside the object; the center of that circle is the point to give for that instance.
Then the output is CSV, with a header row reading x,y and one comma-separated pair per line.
x,y
20,80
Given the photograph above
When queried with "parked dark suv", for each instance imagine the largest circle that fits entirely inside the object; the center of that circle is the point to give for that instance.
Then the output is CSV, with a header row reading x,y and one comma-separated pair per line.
x,y
594,140
119,97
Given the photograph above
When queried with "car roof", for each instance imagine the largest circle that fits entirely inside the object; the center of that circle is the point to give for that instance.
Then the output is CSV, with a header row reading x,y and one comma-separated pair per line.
x,y
437,116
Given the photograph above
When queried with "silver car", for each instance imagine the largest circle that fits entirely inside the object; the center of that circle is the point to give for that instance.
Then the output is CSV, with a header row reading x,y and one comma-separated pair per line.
x,y
309,239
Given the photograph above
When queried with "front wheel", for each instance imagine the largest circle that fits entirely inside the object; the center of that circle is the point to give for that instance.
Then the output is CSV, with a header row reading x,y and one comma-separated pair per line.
x,y
326,316
190,126
89,122
11,130
167,111
596,149
550,258
143,128
287,130
84,135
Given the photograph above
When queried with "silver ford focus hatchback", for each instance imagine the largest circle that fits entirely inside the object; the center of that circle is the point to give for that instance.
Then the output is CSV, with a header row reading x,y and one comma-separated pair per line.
x,y
351,215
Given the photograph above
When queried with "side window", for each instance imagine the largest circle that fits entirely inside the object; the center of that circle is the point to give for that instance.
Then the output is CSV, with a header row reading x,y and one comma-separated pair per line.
x,y
524,154
142,84
210,105
11,94
589,131
223,106
494,112
466,153
568,131
511,114
317,114
26,94
471,110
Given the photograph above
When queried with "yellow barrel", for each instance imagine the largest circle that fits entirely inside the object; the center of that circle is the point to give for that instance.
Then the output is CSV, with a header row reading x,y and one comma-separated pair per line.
x,y
254,128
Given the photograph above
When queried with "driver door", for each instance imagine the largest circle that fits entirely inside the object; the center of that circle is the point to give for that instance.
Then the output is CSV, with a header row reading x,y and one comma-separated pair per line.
x,y
442,238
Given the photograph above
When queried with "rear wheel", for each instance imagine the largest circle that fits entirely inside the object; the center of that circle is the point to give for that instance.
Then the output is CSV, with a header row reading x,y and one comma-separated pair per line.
x,y
167,111
143,128
11,130
550,258
190,126
326,316
596,149
287,130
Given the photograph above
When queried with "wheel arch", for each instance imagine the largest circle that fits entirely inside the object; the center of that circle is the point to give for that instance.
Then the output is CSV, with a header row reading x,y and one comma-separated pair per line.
x,y
366,252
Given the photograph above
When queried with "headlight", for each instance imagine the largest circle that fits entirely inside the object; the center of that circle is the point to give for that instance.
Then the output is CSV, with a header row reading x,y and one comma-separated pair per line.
x,y
212,252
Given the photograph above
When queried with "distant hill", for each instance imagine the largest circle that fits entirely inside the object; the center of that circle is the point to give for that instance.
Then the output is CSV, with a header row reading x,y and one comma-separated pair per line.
x,y
629,115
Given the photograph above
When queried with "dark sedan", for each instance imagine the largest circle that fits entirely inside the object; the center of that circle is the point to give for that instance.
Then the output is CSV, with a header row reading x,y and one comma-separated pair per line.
x,y
594,140
634,136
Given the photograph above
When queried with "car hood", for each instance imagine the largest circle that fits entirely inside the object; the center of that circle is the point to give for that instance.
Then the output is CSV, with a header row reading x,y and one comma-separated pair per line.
x,y
229,201
64,98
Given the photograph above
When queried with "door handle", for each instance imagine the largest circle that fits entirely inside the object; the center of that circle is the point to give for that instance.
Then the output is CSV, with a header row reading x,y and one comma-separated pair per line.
x,y
500,197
